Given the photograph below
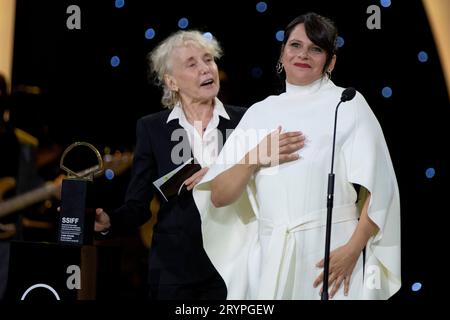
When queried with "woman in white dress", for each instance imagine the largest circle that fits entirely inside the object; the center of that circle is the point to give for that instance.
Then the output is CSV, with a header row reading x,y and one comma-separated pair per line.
x,y
265,229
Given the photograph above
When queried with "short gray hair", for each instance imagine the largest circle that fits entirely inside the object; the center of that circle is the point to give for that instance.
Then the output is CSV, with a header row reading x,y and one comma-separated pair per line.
x,y
159,59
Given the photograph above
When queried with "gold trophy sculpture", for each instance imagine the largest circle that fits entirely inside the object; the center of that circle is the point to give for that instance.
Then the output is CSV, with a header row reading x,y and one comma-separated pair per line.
x,y
76,224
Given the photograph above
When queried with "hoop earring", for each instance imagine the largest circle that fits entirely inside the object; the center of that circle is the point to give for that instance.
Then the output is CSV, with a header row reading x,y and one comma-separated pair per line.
x,y
279,67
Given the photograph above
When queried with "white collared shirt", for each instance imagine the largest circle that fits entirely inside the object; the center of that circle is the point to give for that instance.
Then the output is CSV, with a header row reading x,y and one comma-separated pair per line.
x,y
205,149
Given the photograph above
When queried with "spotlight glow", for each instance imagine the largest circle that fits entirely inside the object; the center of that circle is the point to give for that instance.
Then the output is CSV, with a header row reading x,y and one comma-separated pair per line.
x,y
422,56
208,35
183,23
115,61
386,92
149,33
261,6
109,174
430,173
280,35
340,42
119,3
416,286
385,3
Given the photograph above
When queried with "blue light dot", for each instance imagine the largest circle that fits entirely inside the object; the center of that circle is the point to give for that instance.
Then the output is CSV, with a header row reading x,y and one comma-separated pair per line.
x,y
261,6
385,3
430,172
280,35
119,3
340,42
257,72
416,286
183,23
149,33
386,92
115,61
109,174
423,56
208,36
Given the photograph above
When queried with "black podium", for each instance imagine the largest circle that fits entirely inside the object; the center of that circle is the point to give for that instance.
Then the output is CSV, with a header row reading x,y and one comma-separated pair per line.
x,y
50,271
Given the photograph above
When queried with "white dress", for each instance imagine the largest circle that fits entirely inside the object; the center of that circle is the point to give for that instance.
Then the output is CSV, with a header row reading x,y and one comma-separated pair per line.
x,y
266,244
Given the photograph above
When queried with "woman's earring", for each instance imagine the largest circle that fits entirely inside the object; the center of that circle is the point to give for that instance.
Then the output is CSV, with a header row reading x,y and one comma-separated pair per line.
x,y
279,67
329,73
174,95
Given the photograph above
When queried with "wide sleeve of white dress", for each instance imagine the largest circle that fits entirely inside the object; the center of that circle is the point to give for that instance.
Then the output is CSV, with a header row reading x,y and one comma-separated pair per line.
x,y
368,163
230,232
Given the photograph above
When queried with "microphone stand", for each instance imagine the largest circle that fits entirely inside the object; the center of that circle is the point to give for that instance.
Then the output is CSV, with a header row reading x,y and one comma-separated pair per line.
x,y
330,198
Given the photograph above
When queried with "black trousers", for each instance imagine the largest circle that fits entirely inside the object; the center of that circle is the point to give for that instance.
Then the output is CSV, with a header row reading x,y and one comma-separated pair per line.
x,y
212,288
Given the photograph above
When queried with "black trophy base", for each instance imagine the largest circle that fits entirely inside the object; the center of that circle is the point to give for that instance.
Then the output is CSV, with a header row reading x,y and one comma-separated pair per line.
x,y
76,224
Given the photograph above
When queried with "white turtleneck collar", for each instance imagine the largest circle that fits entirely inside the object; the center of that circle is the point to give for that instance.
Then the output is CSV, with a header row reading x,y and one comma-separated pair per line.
x,y
307,89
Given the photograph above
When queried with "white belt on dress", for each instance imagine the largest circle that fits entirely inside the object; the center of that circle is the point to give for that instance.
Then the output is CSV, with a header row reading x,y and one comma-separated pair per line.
x,y
282,244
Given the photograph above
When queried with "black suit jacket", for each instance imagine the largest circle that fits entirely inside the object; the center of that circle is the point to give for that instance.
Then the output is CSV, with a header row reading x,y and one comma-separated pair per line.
x,y
177,254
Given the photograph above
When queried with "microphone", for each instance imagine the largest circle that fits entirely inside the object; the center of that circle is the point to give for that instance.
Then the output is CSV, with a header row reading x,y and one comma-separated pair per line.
x,y
347,95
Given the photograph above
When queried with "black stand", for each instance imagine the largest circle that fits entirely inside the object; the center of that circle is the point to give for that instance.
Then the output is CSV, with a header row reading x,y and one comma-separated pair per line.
x,y
330,198
347,95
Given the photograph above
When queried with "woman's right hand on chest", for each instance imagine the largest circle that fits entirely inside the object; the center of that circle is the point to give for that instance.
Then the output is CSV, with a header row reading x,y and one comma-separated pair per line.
x,y
276,148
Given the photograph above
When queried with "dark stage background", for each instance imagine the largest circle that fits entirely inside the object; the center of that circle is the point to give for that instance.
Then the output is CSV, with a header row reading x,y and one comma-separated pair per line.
x,y
84,98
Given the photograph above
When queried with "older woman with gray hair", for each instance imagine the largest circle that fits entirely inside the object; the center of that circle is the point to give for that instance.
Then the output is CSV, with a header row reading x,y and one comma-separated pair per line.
x,y
192,126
